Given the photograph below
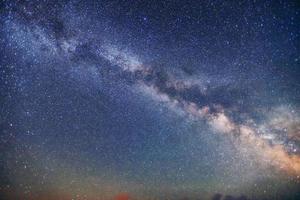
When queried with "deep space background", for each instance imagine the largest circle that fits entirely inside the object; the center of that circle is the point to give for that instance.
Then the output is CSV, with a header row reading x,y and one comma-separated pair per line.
x,y
123,99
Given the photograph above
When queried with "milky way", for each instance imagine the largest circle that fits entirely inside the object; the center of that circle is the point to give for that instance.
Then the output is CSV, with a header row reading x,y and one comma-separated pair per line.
x,y
149,100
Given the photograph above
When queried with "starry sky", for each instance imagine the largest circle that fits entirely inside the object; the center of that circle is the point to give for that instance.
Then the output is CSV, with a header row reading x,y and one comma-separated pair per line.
x,y
140,100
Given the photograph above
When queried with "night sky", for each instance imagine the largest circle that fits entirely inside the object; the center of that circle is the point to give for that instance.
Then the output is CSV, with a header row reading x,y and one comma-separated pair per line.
x,y
140,100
